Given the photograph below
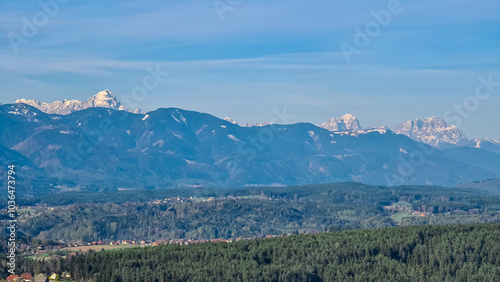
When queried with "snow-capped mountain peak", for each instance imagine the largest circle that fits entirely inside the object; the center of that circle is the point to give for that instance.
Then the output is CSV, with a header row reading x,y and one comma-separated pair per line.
x,y
343,123
433,131
259,124
103,99
487,144
228,119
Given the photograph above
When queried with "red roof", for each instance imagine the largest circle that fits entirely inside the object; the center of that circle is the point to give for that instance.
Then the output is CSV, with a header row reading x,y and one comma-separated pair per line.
x,y
26,275
11,277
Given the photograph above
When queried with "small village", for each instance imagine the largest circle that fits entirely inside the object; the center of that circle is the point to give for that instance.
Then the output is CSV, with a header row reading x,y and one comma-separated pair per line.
x,y
76,246
66,250
405,207
28,277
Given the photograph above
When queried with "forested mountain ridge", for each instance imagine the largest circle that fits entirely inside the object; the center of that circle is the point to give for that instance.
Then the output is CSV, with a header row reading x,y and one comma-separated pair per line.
x,y
99,148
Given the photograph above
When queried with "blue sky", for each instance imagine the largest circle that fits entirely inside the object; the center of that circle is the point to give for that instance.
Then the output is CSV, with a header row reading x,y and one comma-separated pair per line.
x,y
262,55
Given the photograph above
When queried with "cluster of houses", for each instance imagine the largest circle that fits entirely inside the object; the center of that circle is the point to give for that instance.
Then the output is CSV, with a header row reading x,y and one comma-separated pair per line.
x,y
26,250
419,213
44,249
191,241
27,277
66,276
180,241
396,208
122,242
191,199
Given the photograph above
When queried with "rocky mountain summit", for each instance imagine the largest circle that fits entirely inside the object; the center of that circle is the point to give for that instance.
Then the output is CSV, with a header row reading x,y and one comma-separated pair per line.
x,y
343,123
433,131
103,99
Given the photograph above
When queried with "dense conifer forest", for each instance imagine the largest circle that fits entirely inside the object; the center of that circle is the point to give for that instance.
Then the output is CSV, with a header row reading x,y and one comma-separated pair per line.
x,y
419,253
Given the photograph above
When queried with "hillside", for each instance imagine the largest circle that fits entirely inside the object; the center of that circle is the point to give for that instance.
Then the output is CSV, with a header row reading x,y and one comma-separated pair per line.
x,y
100,149
430,253
491,185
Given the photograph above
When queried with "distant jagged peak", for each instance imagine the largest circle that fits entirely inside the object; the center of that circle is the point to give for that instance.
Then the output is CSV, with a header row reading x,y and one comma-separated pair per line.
x,y
259,124
248,124
437,122
343,123
480,143
433,131
228,119
429,123
356,133
103,99
434,122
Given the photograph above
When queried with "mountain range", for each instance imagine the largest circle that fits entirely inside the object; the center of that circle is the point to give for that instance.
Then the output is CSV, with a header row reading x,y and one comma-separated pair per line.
x,y
108,147
103,99
433,131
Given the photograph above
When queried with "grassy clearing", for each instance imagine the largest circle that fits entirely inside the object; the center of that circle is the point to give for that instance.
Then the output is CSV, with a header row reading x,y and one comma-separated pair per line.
x,y
403,204
98,248
398,217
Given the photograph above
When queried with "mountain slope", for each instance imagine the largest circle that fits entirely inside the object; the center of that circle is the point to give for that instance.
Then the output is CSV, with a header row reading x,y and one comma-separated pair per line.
x,y
476,157
100,148
491,185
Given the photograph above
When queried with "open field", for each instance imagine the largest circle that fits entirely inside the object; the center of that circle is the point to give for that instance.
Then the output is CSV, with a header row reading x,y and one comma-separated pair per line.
x,y
98,247
398,217
403,204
